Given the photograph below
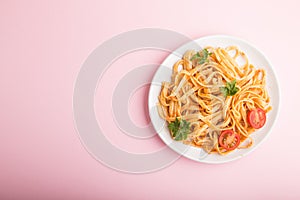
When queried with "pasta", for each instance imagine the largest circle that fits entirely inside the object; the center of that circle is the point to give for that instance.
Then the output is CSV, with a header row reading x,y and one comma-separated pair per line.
x,y
213,93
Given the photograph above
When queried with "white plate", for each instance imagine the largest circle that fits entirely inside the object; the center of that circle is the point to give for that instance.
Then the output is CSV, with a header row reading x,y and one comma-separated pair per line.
x,y
164,74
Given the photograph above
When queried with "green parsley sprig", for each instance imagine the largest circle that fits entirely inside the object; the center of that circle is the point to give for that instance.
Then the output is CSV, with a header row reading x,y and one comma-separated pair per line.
x,y
201,57
230,88
179,129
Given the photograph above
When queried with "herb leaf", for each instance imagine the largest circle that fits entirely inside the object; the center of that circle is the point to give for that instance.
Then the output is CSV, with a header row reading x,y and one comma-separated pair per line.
x,y
230,88
196,56
179,129
201,58
224,91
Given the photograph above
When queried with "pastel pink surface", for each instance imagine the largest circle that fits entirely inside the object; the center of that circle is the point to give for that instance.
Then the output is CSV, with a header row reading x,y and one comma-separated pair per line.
x,y
43,45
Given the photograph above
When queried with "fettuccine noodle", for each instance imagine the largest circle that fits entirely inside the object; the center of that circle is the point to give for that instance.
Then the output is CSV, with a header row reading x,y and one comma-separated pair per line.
x,y
194,95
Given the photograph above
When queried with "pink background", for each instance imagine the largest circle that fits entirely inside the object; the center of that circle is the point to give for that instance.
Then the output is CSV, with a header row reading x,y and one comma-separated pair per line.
x,y
42,47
